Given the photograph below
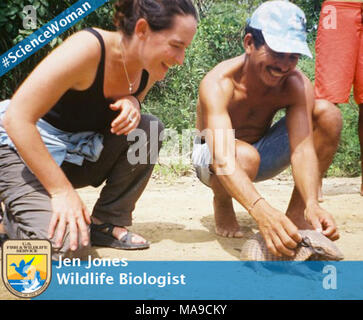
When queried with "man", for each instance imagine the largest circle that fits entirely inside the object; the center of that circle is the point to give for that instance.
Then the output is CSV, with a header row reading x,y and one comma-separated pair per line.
x,y
339,57
236,146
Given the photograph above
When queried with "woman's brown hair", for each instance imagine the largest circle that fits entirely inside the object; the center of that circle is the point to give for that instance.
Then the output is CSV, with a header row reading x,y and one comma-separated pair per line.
x,y
158,13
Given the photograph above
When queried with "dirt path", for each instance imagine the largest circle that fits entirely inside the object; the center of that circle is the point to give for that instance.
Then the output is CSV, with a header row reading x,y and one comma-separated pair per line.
x,y
178,219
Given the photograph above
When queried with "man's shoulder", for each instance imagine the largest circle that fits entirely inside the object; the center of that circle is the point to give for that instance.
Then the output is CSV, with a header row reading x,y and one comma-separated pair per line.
x,y
297,79
297,82
221,76
227,68
298,89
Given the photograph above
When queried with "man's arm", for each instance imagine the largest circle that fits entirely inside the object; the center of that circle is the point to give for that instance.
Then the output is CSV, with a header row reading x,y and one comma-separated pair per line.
x,y
278,231
213,99
304,161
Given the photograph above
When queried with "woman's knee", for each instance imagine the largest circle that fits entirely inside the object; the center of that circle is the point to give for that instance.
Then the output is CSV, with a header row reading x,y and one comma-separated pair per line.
x,y
148,140
150,123
153,128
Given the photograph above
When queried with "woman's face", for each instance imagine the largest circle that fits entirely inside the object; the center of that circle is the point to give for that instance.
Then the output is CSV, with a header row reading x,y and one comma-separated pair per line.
x,y
166,48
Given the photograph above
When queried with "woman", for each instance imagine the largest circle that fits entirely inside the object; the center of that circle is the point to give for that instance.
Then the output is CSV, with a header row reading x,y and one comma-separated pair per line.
x,y
85,96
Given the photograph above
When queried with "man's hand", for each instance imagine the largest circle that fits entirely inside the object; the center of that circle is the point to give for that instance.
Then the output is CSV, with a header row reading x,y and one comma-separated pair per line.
x,y
322,221
280,234
129,117
68,209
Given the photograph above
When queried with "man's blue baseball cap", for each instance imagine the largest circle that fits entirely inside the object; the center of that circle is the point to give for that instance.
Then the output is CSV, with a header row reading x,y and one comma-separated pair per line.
x,y
283,25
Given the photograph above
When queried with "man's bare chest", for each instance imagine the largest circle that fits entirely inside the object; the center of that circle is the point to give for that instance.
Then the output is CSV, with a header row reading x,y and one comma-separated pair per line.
x,y
251,118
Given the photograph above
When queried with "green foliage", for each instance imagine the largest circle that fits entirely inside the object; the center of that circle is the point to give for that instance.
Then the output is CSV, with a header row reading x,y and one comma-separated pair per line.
x,y
347,159
169,173
12,32
218,38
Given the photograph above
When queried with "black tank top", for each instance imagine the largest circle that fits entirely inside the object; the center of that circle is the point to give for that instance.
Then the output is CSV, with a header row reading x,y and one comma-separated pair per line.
x,y
88,110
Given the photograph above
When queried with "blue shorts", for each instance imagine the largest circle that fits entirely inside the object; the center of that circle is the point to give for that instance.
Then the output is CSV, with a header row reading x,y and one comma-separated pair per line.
x,y
273,147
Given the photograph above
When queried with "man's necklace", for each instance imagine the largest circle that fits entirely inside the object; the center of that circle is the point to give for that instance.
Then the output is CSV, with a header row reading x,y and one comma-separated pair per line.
x,y
131,85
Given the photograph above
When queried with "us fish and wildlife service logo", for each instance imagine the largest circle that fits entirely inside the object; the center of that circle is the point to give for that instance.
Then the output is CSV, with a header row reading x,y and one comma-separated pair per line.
x,y
26,266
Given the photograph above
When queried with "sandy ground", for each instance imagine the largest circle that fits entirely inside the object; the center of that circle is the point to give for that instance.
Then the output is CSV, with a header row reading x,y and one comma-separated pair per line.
x,y
177,218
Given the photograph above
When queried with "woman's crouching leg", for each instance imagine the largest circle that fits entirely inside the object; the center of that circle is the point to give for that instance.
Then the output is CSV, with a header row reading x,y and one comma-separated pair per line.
x,y
130,173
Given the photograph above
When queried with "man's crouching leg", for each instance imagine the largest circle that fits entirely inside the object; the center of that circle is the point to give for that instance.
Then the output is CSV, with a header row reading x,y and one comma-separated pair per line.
x,y
226,224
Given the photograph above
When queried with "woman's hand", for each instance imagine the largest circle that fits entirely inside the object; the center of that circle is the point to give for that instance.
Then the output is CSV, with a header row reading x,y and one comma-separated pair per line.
x,y
129,116
69,209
